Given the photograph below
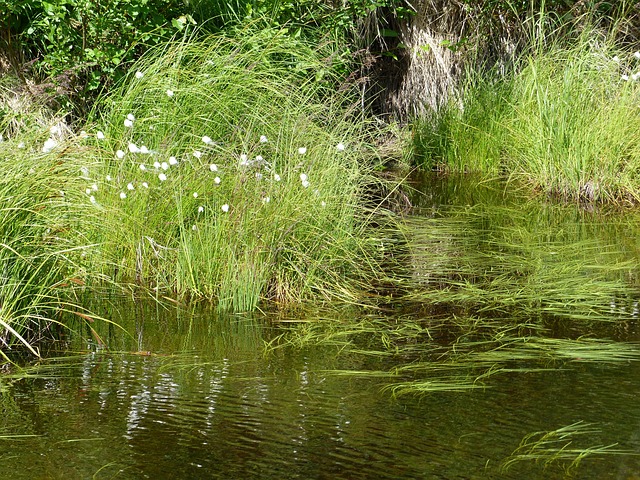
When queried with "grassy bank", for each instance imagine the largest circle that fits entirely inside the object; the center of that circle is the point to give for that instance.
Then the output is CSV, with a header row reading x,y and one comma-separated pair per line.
x,y
225,168
564,121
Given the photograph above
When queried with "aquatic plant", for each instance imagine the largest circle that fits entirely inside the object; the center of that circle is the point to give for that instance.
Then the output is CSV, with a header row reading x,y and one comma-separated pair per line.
x,y
556,448
500,286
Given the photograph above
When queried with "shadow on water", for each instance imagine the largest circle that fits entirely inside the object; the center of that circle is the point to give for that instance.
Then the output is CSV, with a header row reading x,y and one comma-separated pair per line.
x,y
513,354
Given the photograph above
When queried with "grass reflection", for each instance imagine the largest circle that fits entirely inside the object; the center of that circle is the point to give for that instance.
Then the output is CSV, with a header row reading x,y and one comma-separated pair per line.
x,y
499,287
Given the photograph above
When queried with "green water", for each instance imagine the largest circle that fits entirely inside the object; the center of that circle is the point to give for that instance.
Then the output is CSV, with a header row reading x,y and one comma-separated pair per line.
x,y
498,293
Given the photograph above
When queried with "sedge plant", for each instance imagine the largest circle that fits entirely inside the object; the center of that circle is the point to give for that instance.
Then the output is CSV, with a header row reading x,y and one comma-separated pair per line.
x,y
228,171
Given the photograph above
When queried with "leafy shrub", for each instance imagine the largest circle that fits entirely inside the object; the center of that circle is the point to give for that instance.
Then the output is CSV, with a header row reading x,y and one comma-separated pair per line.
x,y
86,44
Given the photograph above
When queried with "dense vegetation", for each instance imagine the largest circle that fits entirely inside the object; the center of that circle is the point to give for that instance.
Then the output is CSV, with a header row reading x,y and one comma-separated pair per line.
x,y
225,150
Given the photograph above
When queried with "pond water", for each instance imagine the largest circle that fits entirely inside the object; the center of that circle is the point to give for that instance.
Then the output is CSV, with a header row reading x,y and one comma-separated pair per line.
x,y
189,393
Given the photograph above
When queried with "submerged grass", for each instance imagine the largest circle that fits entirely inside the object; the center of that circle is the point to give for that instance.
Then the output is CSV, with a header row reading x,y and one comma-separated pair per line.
x,y
502,287
557,447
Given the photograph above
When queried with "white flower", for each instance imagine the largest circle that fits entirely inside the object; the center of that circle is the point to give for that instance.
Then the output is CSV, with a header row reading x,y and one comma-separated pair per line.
x,y
139,74
207,140
259,158
83,134
99,135
216,180
144,149
200,209
142,166
635,76
258,176
164,165
625,77
169,93
54,130
145,184
323,204
244,160
88,191
162,177
128,123
305,183
21,145
62,193
263,139
84,171
92,199
108,178
637,55
266,200
120,154
194,228
303,177
156,165
173,161
225,208
133,148
130,117
616,59
49,145
195,194
197,154
123,195
130,186
340,147
213,167
276,177
94,187
302,150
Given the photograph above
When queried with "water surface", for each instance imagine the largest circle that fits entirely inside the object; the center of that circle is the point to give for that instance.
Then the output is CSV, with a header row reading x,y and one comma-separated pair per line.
x,y
189,393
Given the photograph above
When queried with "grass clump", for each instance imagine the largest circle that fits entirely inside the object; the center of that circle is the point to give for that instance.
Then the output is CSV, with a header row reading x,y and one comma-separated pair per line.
x,y
227,171
557,447
41,252
565,120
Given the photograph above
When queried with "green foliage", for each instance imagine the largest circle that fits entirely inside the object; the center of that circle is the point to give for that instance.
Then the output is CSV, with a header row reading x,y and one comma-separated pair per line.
x,y
464,139
41,252
86,44
564,120
253,185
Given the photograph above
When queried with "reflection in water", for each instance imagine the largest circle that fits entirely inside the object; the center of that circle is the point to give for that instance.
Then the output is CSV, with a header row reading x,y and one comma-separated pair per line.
x,y
191,394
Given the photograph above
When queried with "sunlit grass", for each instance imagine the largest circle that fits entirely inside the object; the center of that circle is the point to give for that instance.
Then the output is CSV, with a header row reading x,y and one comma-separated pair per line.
x,y
564,121
228,172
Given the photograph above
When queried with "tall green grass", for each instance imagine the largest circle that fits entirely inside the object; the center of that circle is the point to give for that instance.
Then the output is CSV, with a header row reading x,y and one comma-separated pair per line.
x,y
565,120
41,252
253,182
